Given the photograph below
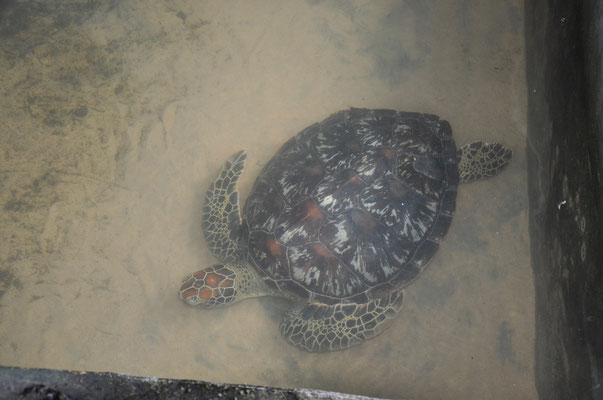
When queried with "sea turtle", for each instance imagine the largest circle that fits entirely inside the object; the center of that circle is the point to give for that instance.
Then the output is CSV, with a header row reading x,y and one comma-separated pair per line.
x,y
346,214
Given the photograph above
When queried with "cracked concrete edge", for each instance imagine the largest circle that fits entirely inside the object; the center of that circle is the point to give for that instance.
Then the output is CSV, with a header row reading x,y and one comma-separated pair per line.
x,y
25,383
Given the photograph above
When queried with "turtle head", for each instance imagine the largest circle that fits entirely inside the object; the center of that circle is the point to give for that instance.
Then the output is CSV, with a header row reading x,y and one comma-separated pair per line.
x,y
219,285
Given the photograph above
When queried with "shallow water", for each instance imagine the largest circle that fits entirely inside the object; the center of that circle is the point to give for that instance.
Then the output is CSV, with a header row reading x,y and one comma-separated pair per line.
x,y
116,117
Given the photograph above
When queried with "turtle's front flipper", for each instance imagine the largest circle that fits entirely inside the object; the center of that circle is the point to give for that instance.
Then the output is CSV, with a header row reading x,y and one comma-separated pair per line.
x,y
221,216
481,160
318,327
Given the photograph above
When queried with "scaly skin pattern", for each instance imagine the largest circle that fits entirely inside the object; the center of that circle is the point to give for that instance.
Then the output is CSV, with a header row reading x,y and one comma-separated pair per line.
x,y
482,160
220,285
319,328
221,216
212,286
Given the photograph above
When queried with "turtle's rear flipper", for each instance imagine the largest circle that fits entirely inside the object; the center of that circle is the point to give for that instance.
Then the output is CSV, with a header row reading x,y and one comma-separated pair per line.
x,y
319,327
221,216
481,160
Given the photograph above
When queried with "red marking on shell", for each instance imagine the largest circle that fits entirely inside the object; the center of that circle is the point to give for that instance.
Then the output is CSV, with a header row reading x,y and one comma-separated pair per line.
x,y
199,274
352,179
300,225
389,153
313,213
274,248
321,251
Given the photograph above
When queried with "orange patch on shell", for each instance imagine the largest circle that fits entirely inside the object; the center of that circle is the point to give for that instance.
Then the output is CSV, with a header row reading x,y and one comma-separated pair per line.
x,y
321,250
274,248
313,213
389,153
353,179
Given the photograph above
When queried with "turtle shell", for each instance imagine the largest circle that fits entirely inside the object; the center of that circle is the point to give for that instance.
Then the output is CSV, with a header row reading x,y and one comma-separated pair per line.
x,y
353,207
